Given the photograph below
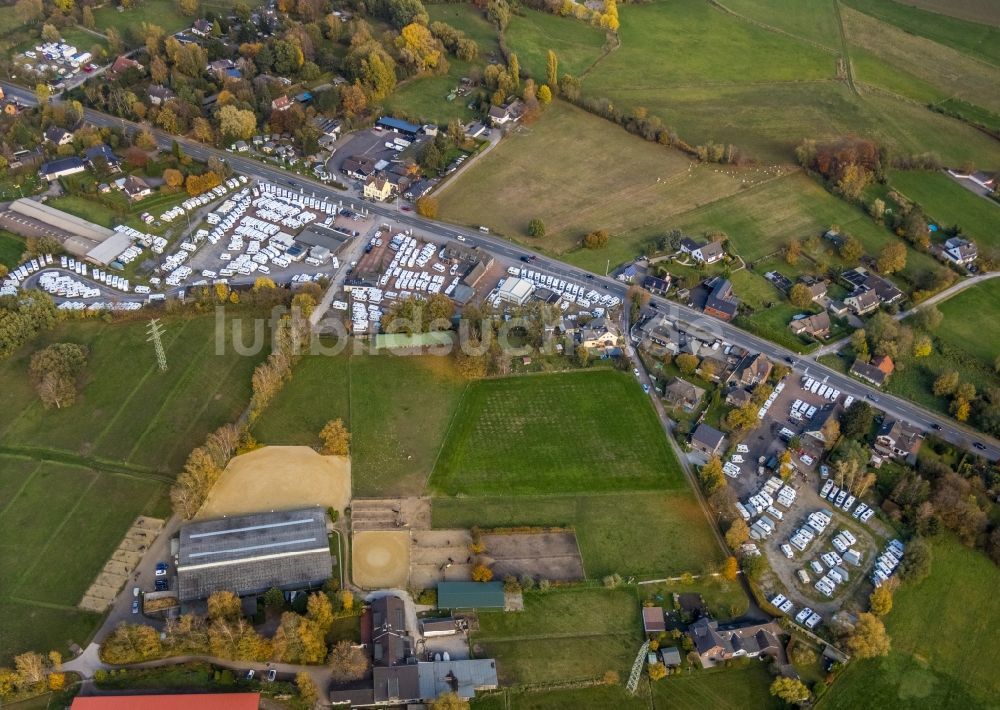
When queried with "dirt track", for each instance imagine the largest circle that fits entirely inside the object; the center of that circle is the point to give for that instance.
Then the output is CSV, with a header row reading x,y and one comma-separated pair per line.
x,y
381,558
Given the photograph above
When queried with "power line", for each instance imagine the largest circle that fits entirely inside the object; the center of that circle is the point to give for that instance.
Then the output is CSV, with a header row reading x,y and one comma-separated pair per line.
x,y
155,332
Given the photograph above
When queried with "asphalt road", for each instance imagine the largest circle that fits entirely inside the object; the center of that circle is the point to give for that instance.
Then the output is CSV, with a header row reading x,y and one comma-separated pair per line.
x,y
690,319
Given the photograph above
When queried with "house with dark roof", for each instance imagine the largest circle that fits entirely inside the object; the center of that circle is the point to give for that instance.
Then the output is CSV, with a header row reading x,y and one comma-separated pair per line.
x,y
708,440
960,251
815,325
58,136
599,333
704,252
670,656
378,188
508,113
817,426
714,645
898,439
721,302
159,94
653,620
865,283
359,167
135,188
863,302
201,27
869,373
390,640
752,370
657,285
55,169
103,153
738,397
683,394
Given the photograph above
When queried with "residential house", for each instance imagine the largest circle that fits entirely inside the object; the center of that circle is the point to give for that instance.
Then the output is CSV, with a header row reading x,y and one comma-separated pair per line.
x,y
508,113
58,136
328,127
219,67
56,169
752,370
159,94
819,426
836,308
817,288
103,153
201,27
476,130
683,394
984,180
714,645
705,252
359,167
738,397
866,283
721,302
817,325
599,333
960,251
662,333
653,620
282,103
378,188
708,440
869,373
628,274
418,189
122,64
898,439
656,285
135,188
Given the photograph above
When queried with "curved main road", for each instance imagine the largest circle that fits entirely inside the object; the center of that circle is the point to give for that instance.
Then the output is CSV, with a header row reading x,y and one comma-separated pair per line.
x,y
688,318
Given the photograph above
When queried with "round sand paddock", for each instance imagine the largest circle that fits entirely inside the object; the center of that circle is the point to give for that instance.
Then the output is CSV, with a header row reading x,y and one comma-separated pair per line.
x,y
280,478
381,558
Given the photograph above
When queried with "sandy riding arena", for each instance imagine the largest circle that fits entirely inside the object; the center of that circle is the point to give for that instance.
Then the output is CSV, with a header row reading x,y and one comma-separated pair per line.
x,y
381,558
280,478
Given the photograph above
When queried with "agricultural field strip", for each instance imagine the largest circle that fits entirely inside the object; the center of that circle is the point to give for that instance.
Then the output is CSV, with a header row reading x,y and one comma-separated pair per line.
x,y
771,28
185,376
39,554
20,489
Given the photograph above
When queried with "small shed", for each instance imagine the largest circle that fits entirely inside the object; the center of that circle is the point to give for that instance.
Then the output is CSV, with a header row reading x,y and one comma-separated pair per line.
x,y
671,656
653,621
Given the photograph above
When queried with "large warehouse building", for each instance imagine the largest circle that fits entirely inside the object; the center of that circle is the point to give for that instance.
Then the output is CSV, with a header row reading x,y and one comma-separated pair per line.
x,y
249,554
81,238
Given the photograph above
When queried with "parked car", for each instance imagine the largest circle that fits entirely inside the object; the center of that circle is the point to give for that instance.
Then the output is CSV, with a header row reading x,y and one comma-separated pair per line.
x,y
135,606
272,675
135,591
250,674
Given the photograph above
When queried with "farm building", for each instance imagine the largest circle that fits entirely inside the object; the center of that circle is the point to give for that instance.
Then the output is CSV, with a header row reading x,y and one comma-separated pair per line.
x,y
438,627
397,125
470,595
181,701
249,554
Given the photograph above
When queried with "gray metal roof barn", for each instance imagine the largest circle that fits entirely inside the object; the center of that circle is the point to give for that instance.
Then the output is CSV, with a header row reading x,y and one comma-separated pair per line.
x,y
249,554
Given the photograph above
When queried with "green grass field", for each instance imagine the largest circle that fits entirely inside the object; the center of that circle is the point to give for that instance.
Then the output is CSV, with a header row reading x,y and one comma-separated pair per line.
x,y
614,530
602,696
526,177
11,248
978,336
59,523
942,644
469,20
581,432
128,412
734,688
397,408
425,98
934,63
574,634
970,35
871,70
947,202
531,34
163,13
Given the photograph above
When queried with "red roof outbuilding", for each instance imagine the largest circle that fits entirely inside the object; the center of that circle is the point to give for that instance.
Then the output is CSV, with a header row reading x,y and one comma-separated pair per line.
x,y
193,701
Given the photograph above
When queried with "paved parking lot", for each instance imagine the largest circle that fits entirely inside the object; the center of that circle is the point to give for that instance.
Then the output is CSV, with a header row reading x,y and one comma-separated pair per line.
x,y
369,143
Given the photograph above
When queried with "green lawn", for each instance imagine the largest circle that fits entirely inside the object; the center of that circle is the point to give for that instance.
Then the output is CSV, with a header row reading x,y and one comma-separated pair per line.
x,y
59,524
425,98
870,69
602,696
948,203
531,34
128,412
581,432
163,13
397,408
978,336
813,20
650,534
574,634
943,647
